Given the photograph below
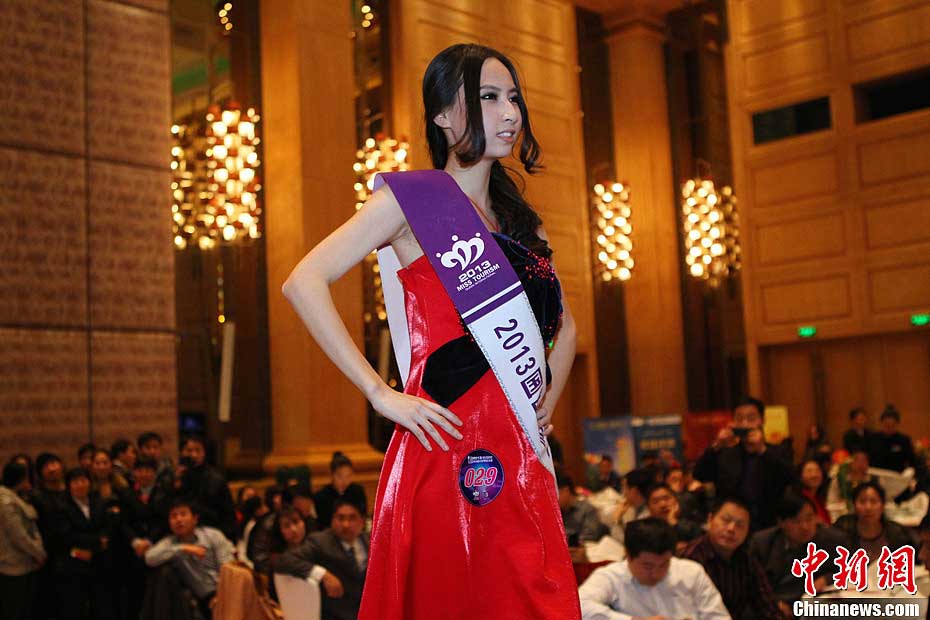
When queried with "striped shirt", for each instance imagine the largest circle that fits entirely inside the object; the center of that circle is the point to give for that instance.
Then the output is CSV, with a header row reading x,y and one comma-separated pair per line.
x,y
741,581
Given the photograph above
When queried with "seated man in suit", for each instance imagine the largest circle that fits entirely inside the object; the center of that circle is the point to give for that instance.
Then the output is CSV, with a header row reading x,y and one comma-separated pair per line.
x,y
337,558
776,548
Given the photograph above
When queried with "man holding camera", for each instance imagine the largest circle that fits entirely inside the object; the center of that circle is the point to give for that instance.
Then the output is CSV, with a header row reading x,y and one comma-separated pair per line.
x,y
740,464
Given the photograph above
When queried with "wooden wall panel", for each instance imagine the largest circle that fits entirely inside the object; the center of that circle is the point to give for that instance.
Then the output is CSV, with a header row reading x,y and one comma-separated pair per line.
x,y
810,177
895,158
886,33
43,253
802,239
902,288
804,59
43,392
133,386
896,224
835,225
85,133
806,300
41,61
759,15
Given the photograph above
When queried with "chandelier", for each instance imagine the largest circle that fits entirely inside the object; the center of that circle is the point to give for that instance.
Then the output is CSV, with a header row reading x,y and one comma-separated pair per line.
x,y
378,154
215,183
711,230
612,233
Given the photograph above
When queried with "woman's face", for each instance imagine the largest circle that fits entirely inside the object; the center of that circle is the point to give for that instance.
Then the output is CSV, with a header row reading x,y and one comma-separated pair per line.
x,y
79,487
101,467
869,505
500,112
811,475
342,478
293,530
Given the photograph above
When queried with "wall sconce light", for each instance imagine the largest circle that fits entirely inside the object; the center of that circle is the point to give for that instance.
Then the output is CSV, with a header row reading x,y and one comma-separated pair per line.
x,y
711,230
612,230
378,154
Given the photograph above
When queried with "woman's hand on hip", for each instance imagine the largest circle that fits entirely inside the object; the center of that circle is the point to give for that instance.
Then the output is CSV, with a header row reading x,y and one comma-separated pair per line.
x,y
418,415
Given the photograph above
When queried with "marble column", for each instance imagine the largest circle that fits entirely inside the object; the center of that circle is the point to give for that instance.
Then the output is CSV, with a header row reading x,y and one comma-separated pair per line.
x,y
309,138
642,151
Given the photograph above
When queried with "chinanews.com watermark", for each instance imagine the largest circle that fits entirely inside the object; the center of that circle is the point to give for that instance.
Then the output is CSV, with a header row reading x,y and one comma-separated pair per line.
x,y
861,608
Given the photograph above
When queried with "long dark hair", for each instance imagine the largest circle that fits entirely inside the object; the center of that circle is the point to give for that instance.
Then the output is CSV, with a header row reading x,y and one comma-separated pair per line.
x,y
460,66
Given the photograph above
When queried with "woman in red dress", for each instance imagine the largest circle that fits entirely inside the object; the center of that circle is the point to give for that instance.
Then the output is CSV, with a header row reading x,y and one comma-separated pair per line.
x,y
435,555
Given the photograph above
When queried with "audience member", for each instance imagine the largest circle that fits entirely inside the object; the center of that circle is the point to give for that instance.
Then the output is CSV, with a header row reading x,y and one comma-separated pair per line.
x,y
723,554
85,455
47,499
266,542
123,515
817,447
580,518
889,448
849,475
777,548
150,447
192,554
21,549
273,498
740,464
692,499
635,485
663,504
341,486
651,583
84,555
811,485
607,476
337,558
26,460
252,510
123,456
205,486
867,527
858,436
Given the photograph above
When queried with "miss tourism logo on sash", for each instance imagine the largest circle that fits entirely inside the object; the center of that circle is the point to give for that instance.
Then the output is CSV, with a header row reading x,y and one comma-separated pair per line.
x,y
464,254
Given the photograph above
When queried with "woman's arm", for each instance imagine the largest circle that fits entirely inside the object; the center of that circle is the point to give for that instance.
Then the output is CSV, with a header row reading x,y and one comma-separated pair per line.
x,y
560,360
307,288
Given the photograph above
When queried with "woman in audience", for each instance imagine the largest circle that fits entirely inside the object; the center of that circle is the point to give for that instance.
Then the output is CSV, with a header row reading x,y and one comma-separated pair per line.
x,y
340,487
123,523
82,529
849,476
867,527
812,486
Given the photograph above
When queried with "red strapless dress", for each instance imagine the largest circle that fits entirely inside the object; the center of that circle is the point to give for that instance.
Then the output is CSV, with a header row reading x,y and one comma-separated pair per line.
x,y
434,555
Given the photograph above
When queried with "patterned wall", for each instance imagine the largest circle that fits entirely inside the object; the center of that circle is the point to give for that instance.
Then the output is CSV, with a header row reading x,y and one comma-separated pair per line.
x,y
86,260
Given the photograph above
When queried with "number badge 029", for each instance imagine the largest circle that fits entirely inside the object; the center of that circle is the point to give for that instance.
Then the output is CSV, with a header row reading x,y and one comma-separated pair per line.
x,y
481,477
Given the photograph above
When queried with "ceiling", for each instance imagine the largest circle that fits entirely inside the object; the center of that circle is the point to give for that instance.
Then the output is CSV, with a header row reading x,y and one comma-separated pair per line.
x,y
654,7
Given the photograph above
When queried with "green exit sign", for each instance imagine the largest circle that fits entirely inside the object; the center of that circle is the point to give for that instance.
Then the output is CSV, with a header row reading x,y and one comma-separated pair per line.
x,y
807,331
919,320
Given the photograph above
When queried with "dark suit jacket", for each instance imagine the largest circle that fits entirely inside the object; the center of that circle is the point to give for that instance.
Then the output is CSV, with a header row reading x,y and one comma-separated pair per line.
x,y
75,531
207,486
771,549
728,467
325,549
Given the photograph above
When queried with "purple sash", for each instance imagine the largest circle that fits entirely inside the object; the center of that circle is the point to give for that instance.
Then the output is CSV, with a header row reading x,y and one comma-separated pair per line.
x,y
481,283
